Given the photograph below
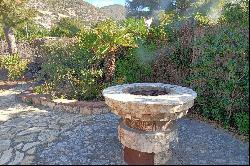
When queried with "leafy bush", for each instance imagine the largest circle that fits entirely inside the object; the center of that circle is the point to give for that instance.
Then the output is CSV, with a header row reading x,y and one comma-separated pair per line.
x,y
134,67
30,31
14,65
214,58
220,74
1,33
137,27
66,27
70,72
220,71
236,14
242,122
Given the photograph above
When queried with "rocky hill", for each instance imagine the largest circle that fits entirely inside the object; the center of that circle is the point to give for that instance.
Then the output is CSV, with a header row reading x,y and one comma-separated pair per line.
x,y
117,12
51,11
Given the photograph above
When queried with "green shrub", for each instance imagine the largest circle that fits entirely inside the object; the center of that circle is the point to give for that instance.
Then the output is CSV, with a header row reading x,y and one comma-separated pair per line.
x,y
202,19
66,27
70,72
242,122
14,65
137,27
134,67
220,74
215,57
41,89
236,14
30,31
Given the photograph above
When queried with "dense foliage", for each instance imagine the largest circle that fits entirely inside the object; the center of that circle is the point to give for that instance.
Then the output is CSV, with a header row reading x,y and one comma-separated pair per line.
x,y
139,8
66,27
77,70
221,73
70,73
12,14
14,65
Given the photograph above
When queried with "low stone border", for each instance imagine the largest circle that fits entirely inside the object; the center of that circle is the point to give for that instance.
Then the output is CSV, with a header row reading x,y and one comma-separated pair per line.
x,y
74,106
5,84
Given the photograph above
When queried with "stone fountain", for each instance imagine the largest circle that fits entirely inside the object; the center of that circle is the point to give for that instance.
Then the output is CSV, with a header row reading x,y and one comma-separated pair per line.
x,y
147,128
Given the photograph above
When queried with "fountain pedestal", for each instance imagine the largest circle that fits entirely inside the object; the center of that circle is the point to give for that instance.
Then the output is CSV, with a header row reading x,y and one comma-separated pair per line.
x,y
147,128
145,146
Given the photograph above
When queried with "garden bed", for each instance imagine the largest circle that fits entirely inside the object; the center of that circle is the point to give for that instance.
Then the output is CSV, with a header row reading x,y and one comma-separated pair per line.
x,y
74,106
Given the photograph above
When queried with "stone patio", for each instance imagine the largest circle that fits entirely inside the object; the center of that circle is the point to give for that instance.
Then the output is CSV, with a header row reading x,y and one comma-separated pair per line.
x,y
37,135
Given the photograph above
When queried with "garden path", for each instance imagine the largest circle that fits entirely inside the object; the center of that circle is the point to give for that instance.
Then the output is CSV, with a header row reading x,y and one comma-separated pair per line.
x,y
37,135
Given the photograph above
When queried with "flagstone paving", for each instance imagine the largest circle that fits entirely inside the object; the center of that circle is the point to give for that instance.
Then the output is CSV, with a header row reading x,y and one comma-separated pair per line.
x,y
37,135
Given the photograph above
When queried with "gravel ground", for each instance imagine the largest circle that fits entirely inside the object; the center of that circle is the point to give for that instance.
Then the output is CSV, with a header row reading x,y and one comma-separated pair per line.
x,y
37,135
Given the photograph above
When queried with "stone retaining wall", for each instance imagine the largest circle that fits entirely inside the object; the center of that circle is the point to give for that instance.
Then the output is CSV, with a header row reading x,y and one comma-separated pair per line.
x,y
74,106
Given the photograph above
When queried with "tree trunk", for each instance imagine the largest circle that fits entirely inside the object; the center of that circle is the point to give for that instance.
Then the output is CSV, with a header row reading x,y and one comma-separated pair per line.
x,y
110,66
10,38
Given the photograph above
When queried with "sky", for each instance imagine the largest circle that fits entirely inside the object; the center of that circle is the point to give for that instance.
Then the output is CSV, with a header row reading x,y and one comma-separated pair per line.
x,y
101,3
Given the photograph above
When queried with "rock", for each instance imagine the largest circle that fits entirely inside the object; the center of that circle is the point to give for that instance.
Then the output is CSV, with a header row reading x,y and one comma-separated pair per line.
x,y
105,110
4,145
25,138
19,146
202,151
4,129
99,162
43,124
6,136
6,156
30,145
28,160
51,105
4,118
97,110
31,151
94,139
18,158
220,161
48,135
53,126
31,130
85,111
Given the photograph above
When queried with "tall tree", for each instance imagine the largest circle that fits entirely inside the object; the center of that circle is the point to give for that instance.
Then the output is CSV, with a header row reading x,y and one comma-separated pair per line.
x,y
142,8
180,6
13,13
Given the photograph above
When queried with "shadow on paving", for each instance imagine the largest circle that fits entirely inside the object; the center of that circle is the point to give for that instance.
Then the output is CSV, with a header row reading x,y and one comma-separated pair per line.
x,y
37,135
200,143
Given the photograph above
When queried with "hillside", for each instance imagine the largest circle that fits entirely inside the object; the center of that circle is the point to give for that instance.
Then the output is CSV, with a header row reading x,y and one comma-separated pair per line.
x,y
117,12
51,11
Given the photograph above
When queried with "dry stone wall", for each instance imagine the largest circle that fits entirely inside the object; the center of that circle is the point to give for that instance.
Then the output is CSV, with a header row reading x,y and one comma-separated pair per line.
x,y
73,106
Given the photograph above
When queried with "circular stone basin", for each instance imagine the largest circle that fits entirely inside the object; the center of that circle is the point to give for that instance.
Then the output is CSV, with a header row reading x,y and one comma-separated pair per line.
x,y
142,100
